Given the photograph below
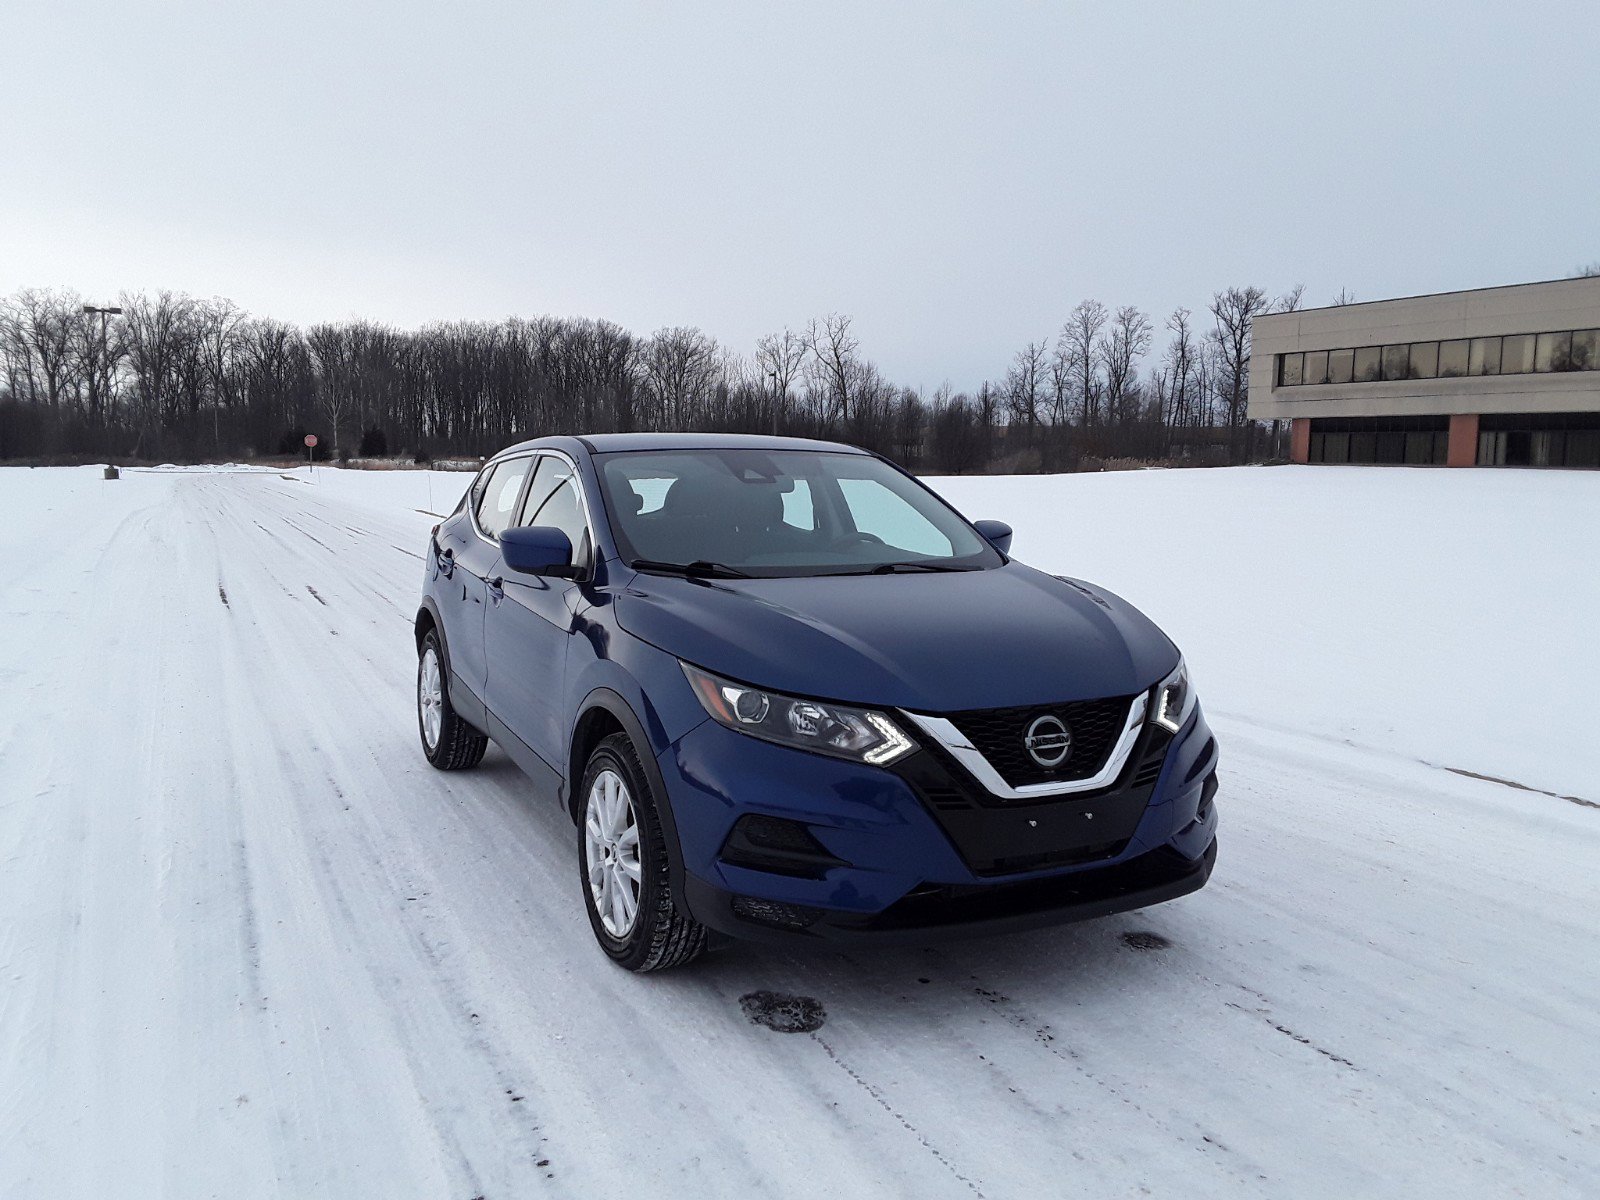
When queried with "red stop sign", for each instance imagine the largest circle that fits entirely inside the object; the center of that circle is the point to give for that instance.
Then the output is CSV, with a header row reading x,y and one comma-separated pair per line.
x,y
311,440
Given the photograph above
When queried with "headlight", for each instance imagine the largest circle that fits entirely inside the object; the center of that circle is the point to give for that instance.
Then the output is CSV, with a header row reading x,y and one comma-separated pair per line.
x,y
826,728
1174,699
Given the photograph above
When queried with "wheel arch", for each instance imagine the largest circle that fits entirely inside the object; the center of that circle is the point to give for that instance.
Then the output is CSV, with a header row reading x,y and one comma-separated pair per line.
x,y
602,713
428,621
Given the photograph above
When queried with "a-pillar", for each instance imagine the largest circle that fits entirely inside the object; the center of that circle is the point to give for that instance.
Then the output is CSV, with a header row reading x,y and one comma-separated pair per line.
x,y
1463,440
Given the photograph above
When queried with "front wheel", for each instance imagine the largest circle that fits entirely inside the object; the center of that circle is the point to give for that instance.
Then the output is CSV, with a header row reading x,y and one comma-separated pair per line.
x,y
448,741
622,860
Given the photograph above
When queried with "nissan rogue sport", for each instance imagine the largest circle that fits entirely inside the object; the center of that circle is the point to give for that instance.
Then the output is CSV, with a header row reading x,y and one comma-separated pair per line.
x,y
785,691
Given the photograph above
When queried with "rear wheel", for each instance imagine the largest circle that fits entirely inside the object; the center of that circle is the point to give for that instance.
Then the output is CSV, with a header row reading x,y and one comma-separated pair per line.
x,y
448,741
622,860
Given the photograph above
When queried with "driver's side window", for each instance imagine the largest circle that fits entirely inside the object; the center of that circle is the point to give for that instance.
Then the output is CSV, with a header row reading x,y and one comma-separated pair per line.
x,y
555,501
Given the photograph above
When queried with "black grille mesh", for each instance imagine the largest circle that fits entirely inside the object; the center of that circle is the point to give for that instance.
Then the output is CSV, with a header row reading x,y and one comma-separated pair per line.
x,y
999,733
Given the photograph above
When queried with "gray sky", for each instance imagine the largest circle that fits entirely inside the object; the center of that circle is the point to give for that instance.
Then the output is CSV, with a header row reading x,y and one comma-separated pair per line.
x,y
956,176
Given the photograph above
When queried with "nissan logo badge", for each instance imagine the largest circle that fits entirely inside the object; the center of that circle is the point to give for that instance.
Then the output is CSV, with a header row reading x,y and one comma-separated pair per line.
x,y
1048,741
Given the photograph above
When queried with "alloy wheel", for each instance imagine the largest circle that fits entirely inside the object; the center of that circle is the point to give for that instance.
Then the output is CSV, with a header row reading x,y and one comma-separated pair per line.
x,y
430,697
611,853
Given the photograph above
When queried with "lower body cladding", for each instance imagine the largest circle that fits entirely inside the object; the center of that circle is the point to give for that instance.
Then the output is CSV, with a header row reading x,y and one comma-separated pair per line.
x,y
779,843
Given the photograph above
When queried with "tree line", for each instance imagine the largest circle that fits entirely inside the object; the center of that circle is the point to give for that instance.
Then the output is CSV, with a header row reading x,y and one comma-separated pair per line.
x,y
171,376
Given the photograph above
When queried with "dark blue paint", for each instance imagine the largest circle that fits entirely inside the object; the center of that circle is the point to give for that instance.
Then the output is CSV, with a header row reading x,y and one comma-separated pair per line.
x,y
997,532
536,651
535,549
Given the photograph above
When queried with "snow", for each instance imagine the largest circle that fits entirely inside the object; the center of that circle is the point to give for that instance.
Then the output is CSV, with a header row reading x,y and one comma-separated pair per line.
x,y
251,945
1442,615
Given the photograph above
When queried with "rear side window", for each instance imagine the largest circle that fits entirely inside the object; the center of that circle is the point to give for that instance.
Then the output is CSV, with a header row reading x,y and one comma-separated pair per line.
x,y
498,502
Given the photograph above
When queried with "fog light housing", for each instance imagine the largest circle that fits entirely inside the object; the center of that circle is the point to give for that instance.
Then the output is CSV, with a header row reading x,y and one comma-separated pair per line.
x,y
779,845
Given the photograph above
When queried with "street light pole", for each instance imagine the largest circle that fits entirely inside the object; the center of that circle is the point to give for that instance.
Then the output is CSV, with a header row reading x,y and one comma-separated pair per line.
x,y
773,375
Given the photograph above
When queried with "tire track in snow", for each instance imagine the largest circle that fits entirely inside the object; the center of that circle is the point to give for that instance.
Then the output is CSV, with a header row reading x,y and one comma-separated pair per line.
x,y
367,868
1039,1033
878,1096
300,775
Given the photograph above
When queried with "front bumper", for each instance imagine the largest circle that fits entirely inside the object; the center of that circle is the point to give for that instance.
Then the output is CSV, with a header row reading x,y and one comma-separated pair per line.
x,y
921,852
937,913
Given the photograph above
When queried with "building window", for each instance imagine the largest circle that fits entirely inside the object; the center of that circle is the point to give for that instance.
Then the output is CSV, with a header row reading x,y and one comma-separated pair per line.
x,y
1539,440
1396,361
1583,448
1485,357
1418,441
1553,352
1516,354
1424,360
1341,366
1512,354
1586,350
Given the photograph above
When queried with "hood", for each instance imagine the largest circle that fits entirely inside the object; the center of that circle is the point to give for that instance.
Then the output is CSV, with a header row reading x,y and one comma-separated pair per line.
x,y
998,638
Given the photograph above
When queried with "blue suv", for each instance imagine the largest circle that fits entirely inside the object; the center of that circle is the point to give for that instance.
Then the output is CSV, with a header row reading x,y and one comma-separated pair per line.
x,y
785,691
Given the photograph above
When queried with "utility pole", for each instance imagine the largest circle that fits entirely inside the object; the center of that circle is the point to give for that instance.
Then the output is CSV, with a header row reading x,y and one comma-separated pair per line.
x,y
111,311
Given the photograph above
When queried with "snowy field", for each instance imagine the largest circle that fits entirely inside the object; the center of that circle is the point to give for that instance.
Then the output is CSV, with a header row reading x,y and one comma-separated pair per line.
x,y
252,946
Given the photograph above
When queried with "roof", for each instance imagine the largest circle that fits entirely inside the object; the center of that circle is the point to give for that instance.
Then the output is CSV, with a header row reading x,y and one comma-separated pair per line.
x,y
1578,280
607,443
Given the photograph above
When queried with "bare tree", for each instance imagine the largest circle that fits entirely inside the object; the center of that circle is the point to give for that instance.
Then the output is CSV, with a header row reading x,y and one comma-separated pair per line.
x,y
1234,311
835,364
780,357
1078,345
155,330
41,323
681,366
1120,350
333,353
1026,387
957,442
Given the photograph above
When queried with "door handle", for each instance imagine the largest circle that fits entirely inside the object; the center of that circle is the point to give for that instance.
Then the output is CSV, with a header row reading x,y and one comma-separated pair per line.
x,y
497,588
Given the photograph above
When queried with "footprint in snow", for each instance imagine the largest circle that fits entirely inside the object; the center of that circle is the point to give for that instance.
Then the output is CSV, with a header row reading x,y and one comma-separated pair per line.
x,y
783,1013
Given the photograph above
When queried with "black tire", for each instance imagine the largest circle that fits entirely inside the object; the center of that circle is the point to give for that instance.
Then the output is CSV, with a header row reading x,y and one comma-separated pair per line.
x,y
459,745
662,935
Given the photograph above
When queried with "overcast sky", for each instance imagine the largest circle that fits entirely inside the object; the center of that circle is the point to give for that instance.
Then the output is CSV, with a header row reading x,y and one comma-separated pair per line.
x,y
956,176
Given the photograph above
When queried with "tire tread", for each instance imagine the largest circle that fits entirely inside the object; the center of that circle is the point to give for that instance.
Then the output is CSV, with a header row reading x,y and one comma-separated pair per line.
x,y
674,937
460,745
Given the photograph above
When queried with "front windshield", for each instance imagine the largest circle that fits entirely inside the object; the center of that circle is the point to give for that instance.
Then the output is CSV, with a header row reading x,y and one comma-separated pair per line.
x,y
781,512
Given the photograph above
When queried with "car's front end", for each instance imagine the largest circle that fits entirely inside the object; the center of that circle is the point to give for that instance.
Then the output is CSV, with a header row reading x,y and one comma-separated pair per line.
x,y
870,721
929,824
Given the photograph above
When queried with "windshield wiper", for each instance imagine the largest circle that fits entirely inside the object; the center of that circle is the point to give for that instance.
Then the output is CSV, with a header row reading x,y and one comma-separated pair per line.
x,y
699,568
893,568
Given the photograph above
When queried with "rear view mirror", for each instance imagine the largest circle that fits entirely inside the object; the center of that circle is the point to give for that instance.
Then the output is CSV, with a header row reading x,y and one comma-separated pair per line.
x,y
538,550
996,533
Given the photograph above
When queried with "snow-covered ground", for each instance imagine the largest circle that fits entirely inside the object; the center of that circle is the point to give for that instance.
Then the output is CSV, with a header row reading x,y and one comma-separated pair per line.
x,y
251,945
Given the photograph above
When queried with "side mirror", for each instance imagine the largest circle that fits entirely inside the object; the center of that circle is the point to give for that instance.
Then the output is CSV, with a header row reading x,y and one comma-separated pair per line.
x,y
996,533
538,550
